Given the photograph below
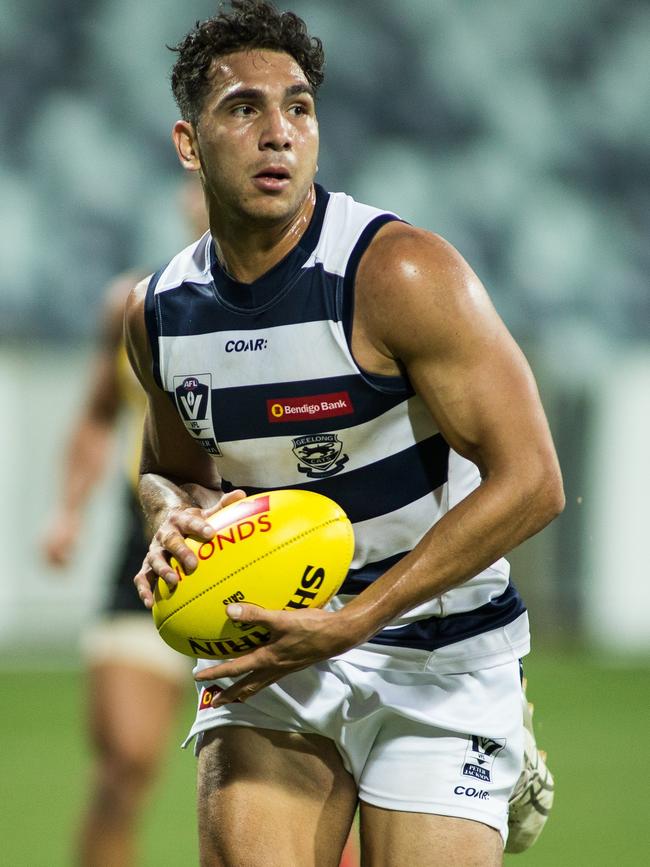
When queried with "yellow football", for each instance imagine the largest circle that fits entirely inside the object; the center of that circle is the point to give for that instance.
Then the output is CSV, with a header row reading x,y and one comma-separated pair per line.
x,y
286,549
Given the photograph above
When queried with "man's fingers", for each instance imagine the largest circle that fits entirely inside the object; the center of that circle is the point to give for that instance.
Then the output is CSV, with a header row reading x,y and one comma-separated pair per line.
x,y
240,691
246,664
226,500
142,583
173,543
248,613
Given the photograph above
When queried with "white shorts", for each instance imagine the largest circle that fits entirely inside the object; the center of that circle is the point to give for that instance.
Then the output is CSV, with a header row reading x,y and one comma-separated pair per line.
x,y
414,741
130,638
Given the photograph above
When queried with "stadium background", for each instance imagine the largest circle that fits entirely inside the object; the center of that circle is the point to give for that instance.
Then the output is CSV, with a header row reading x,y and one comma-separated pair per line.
x,y
517,131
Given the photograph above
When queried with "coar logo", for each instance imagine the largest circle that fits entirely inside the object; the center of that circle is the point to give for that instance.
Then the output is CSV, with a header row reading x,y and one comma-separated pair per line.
x,y
320,454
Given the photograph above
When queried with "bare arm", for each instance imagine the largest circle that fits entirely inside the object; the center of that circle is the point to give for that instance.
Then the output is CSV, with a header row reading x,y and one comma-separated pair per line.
x,y
179,486
437,319
92,438
419,307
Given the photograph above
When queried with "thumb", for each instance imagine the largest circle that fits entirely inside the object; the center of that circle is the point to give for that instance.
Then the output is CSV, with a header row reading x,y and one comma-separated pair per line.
x,y
249,613
226,500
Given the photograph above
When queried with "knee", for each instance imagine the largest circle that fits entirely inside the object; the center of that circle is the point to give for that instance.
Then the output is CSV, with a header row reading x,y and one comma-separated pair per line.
x,y
126,771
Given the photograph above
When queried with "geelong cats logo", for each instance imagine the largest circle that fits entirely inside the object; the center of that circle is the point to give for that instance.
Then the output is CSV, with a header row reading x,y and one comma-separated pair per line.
x,y
320,454
192,394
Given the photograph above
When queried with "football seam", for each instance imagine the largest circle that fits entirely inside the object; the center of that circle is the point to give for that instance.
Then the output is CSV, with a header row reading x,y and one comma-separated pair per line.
x,y
247,566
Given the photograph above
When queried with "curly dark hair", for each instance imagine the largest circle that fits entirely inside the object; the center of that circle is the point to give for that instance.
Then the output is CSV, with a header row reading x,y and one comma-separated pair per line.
x,y
248,24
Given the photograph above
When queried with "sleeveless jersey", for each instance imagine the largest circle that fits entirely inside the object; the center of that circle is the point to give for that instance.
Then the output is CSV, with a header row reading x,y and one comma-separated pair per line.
x,y
263,377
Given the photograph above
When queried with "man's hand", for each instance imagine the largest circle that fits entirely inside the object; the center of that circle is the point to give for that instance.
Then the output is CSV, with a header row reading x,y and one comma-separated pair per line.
x,y
61,538
169,540
298,640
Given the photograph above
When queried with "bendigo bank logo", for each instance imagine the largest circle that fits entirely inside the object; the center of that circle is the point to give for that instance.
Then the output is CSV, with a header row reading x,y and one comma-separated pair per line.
x,y
315,406
207,694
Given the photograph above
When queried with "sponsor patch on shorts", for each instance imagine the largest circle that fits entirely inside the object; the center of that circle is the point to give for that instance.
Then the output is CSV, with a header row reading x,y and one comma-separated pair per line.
x,y
480,754
207,694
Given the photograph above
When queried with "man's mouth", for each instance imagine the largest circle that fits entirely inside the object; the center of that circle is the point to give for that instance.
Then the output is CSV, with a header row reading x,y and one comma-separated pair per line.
x,y
272,178
274,172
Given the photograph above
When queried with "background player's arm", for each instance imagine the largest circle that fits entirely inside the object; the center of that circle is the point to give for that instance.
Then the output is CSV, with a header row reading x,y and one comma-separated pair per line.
x,y
179,485
91,440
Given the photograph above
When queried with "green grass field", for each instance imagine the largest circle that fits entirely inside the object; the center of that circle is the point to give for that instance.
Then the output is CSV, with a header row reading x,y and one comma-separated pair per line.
x,y
593,721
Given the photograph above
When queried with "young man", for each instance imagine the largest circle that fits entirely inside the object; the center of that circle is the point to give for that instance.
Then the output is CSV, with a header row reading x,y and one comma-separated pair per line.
x,y
405,693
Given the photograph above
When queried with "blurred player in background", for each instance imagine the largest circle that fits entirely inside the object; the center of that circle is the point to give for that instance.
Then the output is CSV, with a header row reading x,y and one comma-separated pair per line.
x,y
135,682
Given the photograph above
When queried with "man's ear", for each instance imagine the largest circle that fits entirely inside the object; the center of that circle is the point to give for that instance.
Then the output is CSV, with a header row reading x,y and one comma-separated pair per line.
x,y
185,142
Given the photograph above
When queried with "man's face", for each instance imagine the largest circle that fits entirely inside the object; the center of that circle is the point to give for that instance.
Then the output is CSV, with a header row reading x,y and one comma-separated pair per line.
x,y
257,137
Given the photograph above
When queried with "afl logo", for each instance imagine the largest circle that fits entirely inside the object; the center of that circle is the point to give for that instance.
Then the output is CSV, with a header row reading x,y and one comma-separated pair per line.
x,y
192,399
193,396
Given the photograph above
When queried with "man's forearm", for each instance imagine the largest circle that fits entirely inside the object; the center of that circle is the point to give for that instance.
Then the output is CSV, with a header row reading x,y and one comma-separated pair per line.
x,y
470,537
159,495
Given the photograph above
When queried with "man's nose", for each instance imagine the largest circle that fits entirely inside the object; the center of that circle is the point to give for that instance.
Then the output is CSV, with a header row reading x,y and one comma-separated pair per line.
x,y
276,133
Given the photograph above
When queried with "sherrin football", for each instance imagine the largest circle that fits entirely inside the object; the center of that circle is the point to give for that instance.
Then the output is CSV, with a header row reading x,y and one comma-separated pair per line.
x,y
286,549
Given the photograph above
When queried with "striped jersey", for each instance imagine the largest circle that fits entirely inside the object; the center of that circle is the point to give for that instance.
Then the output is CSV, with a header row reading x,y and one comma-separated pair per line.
x,y
263,377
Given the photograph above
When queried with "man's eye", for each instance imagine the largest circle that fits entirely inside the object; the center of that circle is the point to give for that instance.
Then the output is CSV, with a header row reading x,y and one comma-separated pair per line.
x,y
243,110
298,109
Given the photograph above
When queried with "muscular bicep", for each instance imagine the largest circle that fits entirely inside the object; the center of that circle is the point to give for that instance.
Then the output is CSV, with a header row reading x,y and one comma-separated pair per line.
x,y
434,317
167,448
481,392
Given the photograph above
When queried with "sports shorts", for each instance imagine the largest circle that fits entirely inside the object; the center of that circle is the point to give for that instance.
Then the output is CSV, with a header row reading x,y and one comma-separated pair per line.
x,y
130,638
414,740
122,595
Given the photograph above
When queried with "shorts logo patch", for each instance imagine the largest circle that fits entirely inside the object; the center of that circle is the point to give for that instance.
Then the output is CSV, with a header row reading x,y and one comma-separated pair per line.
x,y
192,394
312,407
207,694
480,755
320,454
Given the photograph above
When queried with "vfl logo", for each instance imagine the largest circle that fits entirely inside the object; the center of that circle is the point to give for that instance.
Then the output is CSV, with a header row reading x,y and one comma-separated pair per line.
x,y
480,755
192,394
192,398
320,454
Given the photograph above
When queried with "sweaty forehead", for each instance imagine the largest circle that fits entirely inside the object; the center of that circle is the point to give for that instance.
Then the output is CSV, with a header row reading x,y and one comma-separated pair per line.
x,y
255,68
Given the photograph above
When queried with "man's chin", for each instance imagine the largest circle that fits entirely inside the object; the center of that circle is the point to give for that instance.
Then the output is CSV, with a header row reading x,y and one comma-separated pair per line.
x,y
273,208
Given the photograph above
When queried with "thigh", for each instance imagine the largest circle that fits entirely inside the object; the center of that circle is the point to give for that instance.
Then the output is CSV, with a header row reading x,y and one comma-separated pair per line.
x,y
390,838
452,764
124,700
271,797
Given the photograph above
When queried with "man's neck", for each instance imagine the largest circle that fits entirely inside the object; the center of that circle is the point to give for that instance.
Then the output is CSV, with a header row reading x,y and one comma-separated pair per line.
x,y
247,252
